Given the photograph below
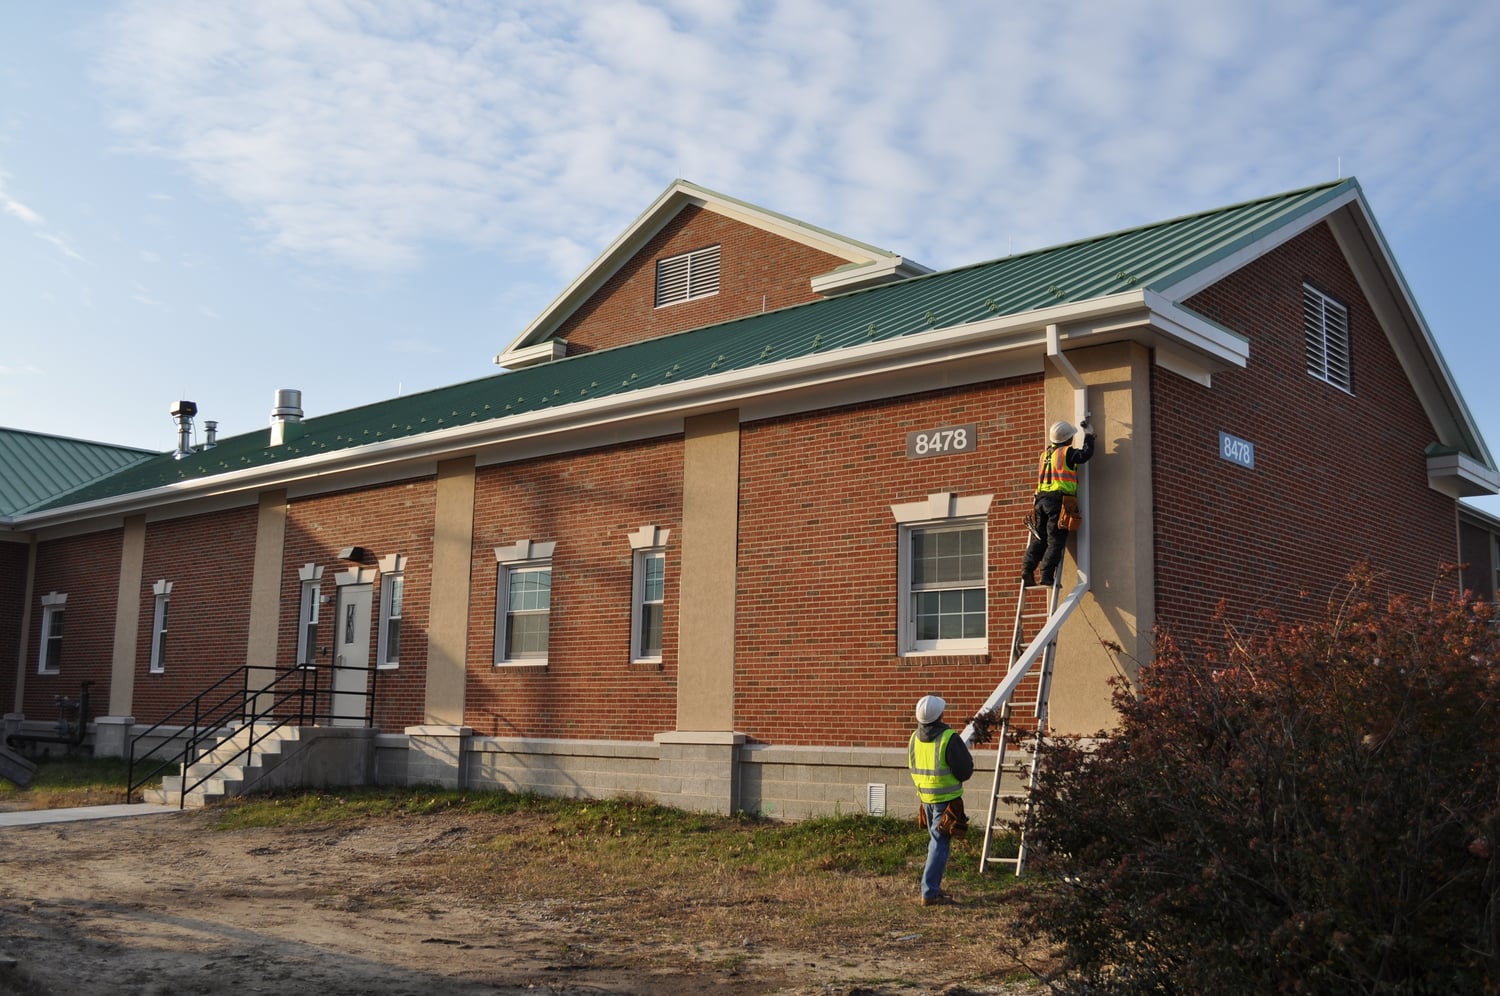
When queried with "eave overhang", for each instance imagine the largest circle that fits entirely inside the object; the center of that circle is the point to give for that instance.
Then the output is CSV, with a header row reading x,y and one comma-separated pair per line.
x,y
1459,475
960,354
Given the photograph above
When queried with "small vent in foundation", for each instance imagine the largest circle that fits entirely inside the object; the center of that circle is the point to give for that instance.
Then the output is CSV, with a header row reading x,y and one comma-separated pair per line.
x,y
875,799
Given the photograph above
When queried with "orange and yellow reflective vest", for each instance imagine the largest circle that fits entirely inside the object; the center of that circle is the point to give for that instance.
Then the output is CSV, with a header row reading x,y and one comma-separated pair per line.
x,y
1053,475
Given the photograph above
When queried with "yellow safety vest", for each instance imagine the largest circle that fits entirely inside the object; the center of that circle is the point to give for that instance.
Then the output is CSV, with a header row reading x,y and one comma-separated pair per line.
x,y
928,763
1053,475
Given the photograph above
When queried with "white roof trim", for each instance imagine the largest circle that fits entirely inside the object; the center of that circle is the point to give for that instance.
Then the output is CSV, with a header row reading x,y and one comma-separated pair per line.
x,y
1458,475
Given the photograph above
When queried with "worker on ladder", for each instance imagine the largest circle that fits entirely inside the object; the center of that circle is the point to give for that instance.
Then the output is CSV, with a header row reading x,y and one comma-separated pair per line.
x,y
1056,501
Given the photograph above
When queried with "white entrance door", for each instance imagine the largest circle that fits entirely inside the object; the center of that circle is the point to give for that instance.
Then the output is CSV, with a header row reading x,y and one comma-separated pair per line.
x,y
351,659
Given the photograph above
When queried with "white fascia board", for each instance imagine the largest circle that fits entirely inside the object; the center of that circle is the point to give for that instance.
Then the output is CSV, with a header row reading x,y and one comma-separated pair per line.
x,y
543,352
1192,331
1285,232
1459,475
662,406
847,278
1416,348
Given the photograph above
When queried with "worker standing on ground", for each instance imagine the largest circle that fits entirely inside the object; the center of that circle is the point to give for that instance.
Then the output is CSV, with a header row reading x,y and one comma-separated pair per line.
x,y
940,763
1056,487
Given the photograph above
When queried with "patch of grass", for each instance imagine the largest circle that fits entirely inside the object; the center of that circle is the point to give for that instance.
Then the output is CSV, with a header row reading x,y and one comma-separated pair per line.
x,y
617,835
65,781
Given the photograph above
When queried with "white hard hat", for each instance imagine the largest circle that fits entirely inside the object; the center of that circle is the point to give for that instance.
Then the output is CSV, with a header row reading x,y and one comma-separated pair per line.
x,y
930,709
1062,432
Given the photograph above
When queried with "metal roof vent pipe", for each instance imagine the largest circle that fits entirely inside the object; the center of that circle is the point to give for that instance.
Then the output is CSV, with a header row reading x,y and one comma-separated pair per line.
x,y
286,416
210,434
182,414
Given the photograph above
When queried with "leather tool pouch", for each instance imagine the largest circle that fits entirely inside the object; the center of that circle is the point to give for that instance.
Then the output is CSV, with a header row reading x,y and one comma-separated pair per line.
x,y
1067,516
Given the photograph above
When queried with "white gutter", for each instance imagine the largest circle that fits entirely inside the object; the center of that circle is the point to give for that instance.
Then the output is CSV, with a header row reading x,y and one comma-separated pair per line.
x,y
955,344
1018,671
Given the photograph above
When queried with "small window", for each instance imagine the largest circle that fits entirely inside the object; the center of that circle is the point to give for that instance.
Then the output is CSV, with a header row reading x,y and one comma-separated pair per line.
x,y
308,606
692,275
49,658
523,602
163,593
650,591
392,593
947,587
1325,324
942,570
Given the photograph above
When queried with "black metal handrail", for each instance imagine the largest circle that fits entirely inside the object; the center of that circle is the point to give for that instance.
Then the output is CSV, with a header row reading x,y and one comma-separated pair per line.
x,y
264,710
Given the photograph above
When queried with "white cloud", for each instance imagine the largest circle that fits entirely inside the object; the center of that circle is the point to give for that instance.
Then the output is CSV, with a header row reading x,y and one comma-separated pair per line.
x,y
361,132
37,224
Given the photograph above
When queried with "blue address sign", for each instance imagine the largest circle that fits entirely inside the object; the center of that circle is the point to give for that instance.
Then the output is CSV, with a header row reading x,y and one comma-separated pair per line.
x,y
1237,450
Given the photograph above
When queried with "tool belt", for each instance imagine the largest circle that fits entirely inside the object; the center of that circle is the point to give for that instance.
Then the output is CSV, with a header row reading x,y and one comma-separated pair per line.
x,y
954,822
1067,516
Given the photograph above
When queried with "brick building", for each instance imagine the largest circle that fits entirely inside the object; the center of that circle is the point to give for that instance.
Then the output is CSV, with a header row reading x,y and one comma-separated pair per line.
x,y
683,546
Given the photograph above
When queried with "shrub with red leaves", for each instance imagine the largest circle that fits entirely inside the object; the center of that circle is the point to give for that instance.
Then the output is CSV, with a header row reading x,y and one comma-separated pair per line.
x,y
1313,811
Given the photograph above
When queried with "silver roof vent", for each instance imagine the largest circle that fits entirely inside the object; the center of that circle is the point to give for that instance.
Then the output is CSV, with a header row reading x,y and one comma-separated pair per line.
x,y
182,414
286,416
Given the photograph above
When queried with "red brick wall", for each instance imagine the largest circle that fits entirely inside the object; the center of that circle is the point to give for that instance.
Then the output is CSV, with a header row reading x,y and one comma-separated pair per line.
x,y
1477,546
210,560
13,559
588,503
384,519
1337,478
758,272
87,570
816,656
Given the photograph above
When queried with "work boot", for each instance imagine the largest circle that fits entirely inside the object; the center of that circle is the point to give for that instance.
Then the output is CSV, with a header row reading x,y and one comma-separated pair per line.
x,y
1029,579
1047,582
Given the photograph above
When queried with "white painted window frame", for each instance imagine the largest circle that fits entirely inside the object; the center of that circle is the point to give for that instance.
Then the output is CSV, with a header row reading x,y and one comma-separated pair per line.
x,y
940,511
309,606
162,602
392,609
523,556
54,607
646,544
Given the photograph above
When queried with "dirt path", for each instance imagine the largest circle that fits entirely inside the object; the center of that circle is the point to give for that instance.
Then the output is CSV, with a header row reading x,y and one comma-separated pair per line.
x,y
160,904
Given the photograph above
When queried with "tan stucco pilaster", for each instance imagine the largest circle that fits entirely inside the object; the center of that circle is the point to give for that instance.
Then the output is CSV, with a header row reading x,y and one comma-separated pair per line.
x,y
265,589
127,616
710,532
1121,604
452,563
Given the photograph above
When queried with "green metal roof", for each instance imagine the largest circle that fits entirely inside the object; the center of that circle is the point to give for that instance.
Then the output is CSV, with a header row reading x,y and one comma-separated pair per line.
x,y
36,468
1152,257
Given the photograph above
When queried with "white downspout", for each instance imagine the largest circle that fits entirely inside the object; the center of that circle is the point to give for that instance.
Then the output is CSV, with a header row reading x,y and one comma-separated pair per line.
x,y
1022,667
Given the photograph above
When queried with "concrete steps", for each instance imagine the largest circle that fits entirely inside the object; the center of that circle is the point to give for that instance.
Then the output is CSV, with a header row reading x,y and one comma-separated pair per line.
x,y
228,769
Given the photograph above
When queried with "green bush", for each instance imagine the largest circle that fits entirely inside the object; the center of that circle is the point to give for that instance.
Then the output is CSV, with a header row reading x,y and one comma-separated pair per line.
x,y
1312,811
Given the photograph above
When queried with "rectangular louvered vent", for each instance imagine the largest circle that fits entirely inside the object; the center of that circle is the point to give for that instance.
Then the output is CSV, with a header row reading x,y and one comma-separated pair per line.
x,y
691,275
1325,324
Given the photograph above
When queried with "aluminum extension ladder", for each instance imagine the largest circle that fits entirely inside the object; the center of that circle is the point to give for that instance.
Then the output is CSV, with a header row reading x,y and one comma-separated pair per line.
x,y
1034,607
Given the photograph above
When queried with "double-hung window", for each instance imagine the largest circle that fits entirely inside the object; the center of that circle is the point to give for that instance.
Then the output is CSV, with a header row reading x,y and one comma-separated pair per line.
x,y
523,602
162,591
943,573
1325,327
692,275
309,605
49,657
392,598
648,592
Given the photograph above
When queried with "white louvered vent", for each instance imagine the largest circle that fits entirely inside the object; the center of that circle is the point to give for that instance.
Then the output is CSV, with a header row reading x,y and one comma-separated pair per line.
x,y
1325,325
692,275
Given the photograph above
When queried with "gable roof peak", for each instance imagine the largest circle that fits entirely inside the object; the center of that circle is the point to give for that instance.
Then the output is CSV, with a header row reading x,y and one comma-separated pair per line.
x,y
865,264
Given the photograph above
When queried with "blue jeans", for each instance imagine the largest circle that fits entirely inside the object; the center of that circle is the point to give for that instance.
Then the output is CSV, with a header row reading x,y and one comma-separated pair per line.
x,y
937,852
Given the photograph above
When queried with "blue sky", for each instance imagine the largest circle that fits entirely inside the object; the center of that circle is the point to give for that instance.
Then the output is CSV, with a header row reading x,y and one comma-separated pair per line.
x,y
359,198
